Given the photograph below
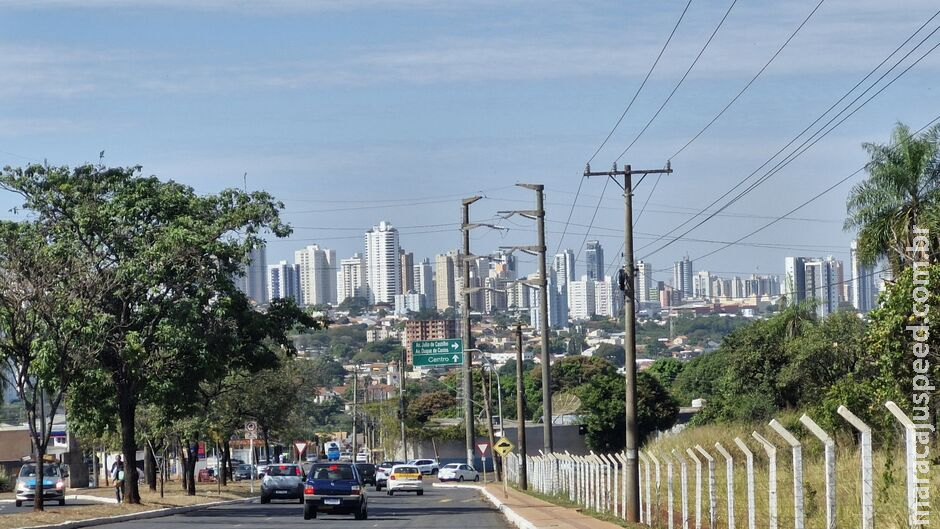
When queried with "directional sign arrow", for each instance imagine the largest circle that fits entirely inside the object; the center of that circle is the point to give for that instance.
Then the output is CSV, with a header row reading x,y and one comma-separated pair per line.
x,y
455,346
455,358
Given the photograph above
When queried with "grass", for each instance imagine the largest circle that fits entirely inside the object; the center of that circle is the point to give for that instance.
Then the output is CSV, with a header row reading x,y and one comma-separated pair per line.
x,y
173,497
565,502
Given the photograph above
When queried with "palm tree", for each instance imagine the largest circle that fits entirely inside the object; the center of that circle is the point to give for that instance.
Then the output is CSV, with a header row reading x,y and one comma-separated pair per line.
x,y
902,191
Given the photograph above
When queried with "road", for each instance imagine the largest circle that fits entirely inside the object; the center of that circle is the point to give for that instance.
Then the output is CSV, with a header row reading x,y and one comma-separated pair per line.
x,y
438,508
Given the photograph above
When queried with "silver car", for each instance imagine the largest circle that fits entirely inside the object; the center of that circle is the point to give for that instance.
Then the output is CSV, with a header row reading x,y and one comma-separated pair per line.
x,y
53,486
283,482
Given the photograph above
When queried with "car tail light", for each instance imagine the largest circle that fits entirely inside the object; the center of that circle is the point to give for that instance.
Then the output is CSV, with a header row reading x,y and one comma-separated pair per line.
x,y
309,490
420,477
392,477
59,485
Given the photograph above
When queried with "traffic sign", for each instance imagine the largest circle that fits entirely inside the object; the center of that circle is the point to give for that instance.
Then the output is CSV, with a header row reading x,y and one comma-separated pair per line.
x,y
301,446
251,430
437,352
503,446
482,447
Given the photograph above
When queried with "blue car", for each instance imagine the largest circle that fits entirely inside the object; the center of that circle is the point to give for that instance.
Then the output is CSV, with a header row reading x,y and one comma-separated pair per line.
x,y
335,488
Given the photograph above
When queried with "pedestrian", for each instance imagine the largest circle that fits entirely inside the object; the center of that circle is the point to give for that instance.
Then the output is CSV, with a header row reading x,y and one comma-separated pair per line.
x,y
117,474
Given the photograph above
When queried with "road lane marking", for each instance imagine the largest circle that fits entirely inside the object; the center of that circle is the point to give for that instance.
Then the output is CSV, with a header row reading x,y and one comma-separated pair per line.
x,y
446,500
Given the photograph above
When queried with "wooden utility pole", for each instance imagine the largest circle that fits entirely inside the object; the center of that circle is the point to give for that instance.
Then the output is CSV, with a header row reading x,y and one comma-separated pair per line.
x,y
520,411
627,282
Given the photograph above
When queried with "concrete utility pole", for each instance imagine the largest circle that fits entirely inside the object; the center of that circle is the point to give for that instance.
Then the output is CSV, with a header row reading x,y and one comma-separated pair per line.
x,y
401,404
542,284
355,445
520,411
465,227
627,282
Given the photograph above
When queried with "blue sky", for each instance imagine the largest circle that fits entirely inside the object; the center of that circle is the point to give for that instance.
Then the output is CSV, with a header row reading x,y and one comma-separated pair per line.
x,y
356,111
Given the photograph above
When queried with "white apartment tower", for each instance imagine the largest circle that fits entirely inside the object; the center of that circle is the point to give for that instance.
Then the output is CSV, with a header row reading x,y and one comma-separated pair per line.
x,y
424,281
383,263
445,278
581,299
682,277
284,282
644,281
317,275
351,278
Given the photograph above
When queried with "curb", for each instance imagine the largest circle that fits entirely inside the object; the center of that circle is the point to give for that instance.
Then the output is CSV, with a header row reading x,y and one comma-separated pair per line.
x,y
511,515
143,515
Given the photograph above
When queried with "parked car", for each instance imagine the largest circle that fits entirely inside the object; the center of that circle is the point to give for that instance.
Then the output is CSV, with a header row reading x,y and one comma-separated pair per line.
x,y
52,483
405,478
458,472
335,488
367,472
426,466
262,467
381,473
283,482
245,471
362,457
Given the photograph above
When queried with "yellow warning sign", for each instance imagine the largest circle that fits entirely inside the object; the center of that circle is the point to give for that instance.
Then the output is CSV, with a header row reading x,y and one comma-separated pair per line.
x,y
503,446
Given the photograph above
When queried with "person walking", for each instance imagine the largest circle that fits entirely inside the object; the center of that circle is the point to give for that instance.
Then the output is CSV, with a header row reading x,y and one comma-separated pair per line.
x,y
117,475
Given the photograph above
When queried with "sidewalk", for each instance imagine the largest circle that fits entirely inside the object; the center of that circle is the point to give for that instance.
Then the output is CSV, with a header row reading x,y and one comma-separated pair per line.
x,y
534,513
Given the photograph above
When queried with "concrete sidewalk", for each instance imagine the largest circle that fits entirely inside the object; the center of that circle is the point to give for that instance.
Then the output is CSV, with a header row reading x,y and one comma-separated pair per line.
x,y
529,512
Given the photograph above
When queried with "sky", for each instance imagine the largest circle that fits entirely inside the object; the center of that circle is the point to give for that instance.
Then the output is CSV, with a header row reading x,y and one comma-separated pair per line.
x,y
356,111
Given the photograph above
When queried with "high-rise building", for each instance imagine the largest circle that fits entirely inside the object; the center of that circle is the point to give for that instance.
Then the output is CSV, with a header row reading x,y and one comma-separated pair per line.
x,y
794,282
594,256
407,272
607,299
682,277
644,282
702,285
284,282
563,265
254,282
317,275
383,264
557,305
351,278
445,278
862,284
581,299
417,330
410,302
821,284
424,281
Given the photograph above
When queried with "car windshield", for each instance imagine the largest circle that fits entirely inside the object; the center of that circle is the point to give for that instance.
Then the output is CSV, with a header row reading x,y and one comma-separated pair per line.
x,y
29,471
283,470
244,467
406,470
366,467
332,472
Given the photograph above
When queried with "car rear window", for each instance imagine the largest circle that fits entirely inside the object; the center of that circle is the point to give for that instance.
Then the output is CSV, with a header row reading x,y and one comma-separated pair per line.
x,y
332,472
29,471
283,470
453,466
406,470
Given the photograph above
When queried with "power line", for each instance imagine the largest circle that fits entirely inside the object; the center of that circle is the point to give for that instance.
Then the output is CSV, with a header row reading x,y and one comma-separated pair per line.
x,y
645,79
681,80
594,216
749,83
570,212
797,152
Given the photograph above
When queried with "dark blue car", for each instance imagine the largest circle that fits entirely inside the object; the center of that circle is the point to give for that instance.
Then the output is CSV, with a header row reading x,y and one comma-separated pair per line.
x,y
335,488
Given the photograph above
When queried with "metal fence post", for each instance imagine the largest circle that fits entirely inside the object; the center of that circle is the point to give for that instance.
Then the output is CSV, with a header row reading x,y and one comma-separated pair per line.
x,y
669,488
751,507
684,479
830,454
797,450
910,444
698,487
868,499
729,476
712,500
771,450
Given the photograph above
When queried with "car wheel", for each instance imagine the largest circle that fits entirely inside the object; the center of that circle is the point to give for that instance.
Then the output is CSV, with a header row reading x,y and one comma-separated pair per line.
x,y
265,499
460,478
378,488
420,493
477,478
310,512
360,513
301,500
19,503
390,493
62,502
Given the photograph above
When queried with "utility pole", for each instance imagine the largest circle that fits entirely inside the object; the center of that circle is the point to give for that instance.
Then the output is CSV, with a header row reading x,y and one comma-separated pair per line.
x,y
488,400
627,284
355,445
520,411
401,405
465,227
542,284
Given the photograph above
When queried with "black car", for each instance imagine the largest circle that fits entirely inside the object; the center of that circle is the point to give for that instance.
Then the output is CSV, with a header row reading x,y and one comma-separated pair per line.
x,y
335,488
367,472
245,471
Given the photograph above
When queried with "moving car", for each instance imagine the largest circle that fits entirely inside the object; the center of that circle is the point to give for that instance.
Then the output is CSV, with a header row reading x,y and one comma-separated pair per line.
x,y
244,471
381,473
283,482
335,488
405,478
458,472
52,483
426,466
366,472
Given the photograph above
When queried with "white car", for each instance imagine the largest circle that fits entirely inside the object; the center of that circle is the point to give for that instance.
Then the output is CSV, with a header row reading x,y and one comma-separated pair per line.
x,y
426,466
458,472
405,478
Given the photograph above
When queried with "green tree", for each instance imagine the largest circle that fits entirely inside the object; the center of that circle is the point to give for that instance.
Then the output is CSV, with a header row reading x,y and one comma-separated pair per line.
x,y
902,191
666,370
602,405
612,353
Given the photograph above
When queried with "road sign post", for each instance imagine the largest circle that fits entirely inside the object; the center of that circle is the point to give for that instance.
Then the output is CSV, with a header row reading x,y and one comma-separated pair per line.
x,y
300,446
483,447
432,353
502,447
251,433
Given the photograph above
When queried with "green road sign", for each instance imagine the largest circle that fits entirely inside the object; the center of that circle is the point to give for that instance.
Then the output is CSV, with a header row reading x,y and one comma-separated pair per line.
x,y
429,353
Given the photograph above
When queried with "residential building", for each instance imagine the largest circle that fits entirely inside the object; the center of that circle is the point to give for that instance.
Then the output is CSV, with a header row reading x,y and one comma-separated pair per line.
x,y
416,330
682,277
317,275
581,296
383,263
862,285
794,281
351,278
557,304
445,278
407,271
424,281
702,285
254,281
563,265
821,284
284,282
410,302
594,261
644,282
607,298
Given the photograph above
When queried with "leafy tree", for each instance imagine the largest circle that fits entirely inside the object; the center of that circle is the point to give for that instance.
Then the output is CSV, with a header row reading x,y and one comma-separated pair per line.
x,y
666,370
902,191
700,377
602,402
425,405
354,306
153,244
612,353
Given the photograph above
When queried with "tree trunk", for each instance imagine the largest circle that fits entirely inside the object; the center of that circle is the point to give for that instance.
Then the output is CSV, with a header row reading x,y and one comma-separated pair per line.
x,y
127,411
39,502
191,457
150,466
182,465
267,447
226,463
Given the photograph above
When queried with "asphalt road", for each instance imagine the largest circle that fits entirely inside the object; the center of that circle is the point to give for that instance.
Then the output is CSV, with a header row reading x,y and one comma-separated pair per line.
x,y
438,508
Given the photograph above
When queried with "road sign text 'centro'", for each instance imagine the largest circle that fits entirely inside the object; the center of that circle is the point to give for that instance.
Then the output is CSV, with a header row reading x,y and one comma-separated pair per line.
x,y
437,352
